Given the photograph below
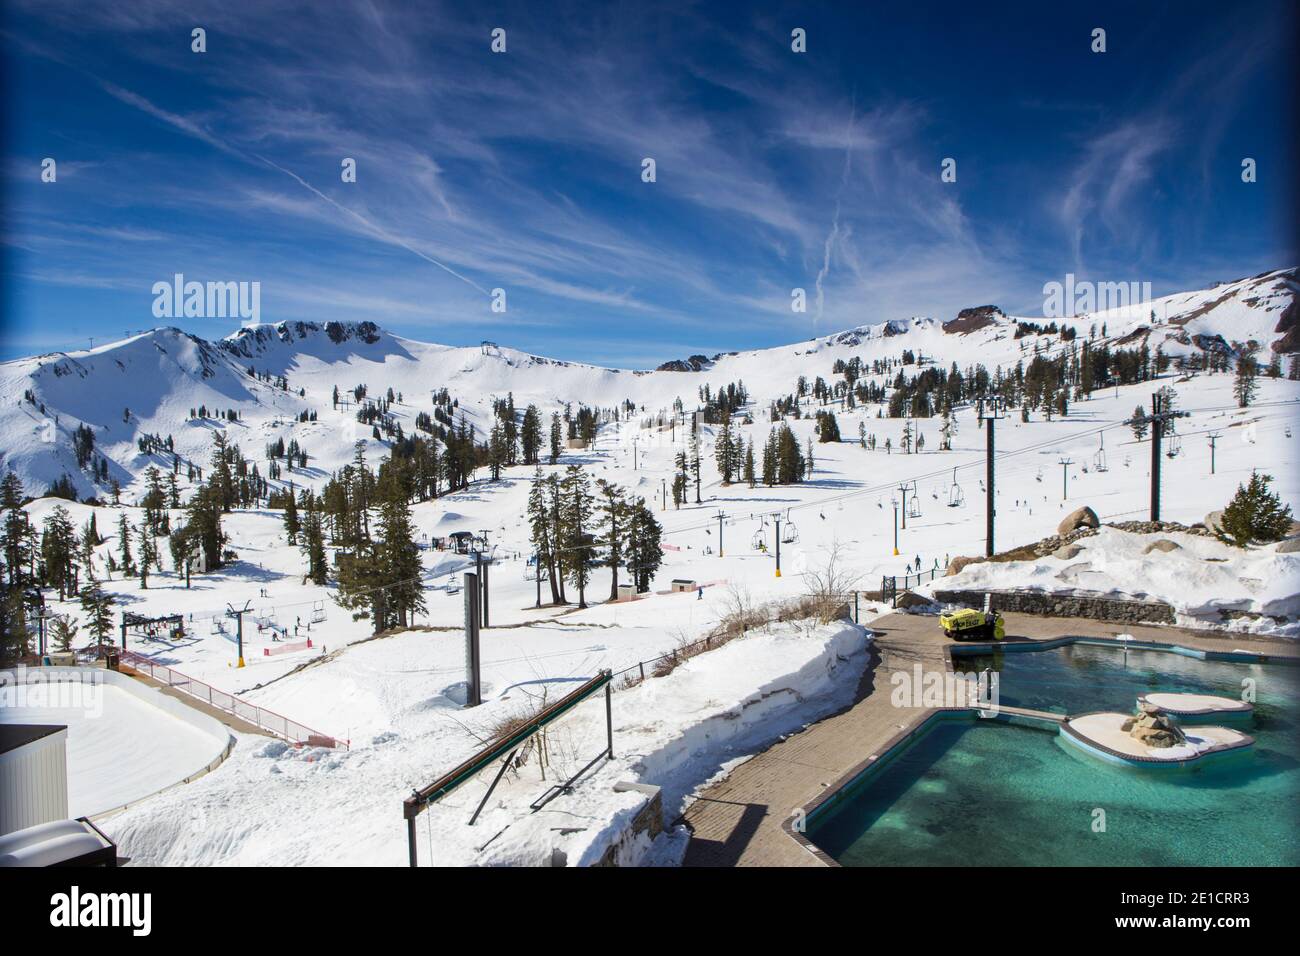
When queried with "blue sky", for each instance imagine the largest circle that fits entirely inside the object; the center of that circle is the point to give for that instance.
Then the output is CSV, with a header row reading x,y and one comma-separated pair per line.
x,y
522,170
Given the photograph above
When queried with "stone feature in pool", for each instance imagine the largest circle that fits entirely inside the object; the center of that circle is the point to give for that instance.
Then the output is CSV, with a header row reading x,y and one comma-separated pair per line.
x,y
974,792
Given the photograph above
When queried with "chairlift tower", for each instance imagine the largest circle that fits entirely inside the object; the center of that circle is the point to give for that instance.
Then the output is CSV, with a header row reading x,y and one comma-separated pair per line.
x,y
1159,415
989,451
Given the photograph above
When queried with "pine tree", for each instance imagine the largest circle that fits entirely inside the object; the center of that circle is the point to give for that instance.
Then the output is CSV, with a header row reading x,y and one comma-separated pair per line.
x,y
89,539
723,452
644,551
397,552
576,512
540,525
613,530
749,463
313,547
695,456
148,554
203,524
1245,385
1255,514
556,434
559,532
15,638
531,435
59,551
63,631
97,606
947,429
124,531
291,523
1140,426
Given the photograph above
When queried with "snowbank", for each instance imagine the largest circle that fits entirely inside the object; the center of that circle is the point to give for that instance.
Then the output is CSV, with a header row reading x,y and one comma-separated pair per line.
x,y
686,729
1206,582
272,804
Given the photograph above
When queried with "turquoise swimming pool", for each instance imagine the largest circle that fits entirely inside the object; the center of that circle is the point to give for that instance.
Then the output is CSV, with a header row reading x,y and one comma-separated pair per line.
x,y
986,793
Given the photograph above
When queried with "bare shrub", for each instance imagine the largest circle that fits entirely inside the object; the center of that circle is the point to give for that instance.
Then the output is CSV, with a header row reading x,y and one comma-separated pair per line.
x,y
830,585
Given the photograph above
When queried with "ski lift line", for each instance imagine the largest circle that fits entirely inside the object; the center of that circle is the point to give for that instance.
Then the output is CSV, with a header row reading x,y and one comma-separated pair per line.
x,y
821,502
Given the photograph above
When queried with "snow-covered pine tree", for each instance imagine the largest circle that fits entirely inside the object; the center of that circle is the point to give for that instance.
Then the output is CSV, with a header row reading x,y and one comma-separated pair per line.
x,y
1255,514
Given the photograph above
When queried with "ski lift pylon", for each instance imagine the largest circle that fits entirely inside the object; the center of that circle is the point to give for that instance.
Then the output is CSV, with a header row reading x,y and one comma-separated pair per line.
x,y
318,612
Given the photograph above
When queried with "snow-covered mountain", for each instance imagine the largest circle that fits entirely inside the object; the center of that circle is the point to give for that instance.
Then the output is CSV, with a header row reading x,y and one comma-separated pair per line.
x,y
151,384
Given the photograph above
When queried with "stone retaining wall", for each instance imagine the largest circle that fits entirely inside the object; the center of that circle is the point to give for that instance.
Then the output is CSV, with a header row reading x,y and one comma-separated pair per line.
x,y
1066,605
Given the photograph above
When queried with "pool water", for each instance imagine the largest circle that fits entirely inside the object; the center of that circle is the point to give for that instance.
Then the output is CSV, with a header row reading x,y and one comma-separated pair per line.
x,y
986,793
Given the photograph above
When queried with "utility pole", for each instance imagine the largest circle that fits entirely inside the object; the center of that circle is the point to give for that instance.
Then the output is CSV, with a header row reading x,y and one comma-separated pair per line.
x,y
1065,477
989,452
720,517
239,627
776,515
473,684
1214,437
1156,429
1159,415
894,502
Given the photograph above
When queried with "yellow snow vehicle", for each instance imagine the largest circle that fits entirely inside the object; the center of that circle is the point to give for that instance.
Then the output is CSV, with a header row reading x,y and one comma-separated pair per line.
x,y
967,624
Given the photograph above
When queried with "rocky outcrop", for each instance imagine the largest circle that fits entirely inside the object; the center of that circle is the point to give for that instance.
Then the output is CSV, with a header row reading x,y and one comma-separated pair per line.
x,y
1153,729
1163,545
956,564
696,363
1068,552
1289,546
973,319
1083,517
1094,607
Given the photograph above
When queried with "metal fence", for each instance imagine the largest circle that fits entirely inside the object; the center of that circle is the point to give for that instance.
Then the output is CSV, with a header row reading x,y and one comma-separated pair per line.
x,y
268,720
892,585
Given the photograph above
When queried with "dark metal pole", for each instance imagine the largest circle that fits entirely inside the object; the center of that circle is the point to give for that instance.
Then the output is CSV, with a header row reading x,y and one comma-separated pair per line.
x,y
895,529
473,694
410,841
1156,424
988,481
609,718
537,574
483,609
720,517
778,546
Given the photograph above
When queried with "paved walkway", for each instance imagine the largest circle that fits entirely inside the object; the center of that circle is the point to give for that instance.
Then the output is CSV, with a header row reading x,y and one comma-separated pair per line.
x,y
230,720
737,822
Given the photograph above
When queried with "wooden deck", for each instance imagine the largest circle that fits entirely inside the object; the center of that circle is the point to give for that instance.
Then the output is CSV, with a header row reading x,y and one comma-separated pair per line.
x,y
737,822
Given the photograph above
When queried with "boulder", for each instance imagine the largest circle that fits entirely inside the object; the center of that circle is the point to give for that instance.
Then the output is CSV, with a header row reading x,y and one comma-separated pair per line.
x,y
956,564
1214,521
1085,517
1163,544
1153,729
1289,546
1067,552
909,600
